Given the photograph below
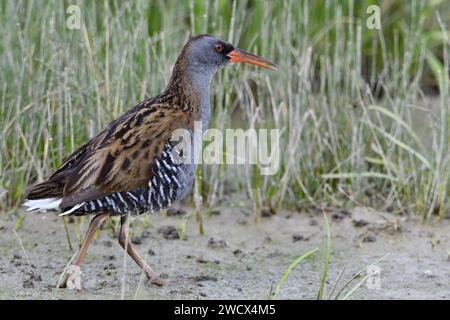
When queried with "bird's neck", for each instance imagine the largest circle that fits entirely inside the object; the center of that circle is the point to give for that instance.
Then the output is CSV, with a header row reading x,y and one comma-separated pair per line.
x,y
192,85
201,84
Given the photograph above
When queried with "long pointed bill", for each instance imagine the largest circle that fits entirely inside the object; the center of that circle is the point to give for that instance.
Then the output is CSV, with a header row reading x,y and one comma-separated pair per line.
x,y
238,55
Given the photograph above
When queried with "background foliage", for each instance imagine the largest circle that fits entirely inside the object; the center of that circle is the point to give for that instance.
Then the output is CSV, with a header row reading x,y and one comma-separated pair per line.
x,y
364,113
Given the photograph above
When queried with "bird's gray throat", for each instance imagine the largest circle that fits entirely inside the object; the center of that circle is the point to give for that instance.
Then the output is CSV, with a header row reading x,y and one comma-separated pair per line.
x,y
201,83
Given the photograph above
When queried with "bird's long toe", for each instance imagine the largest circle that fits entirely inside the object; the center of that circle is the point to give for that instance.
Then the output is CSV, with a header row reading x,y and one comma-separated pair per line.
x,y
72,279
160,281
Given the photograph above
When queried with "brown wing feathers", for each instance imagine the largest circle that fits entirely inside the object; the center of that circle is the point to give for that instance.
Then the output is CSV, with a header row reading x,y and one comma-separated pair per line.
x,y
119,158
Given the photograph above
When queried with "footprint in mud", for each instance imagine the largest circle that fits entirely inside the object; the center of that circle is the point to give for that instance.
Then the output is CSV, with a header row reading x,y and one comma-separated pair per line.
x,y
169,232
32,278
136,240
360,223
140,239
202,261
340,215
16,260
369,238
204,277
238,253
217,244
299,237
28,270
171,212
267,213
108,243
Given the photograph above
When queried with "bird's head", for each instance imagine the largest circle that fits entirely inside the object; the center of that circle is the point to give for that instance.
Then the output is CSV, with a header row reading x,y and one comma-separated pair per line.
x,y
208,53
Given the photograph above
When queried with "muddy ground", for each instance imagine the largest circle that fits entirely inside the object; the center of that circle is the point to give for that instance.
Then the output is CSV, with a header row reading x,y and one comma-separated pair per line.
x,y
234,259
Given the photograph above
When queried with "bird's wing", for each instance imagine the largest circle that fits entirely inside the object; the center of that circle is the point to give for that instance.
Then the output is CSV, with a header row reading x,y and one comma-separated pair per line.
x,y
120,157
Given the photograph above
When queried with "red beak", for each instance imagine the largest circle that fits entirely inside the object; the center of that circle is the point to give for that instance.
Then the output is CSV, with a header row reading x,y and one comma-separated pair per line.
x,y
238,55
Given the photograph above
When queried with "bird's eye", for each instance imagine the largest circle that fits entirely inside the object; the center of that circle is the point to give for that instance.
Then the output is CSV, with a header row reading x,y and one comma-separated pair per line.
x,y
218,47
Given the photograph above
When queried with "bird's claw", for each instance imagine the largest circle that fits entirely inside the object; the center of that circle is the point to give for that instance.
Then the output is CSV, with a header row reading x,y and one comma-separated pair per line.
x,y
159,281
72,279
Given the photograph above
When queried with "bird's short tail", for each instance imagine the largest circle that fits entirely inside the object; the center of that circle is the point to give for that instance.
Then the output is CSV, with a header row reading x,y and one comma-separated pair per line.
x,y
45,204
43,197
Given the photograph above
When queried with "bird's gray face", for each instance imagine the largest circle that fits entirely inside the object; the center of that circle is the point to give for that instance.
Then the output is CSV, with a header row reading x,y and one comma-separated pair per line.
x,y
207,53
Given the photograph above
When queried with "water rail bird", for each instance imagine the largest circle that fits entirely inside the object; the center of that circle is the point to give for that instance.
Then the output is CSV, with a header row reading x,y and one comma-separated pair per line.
x,y
132,166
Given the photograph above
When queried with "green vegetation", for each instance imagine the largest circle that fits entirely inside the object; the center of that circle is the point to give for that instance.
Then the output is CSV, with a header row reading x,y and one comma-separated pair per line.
x,y
326,252
357,124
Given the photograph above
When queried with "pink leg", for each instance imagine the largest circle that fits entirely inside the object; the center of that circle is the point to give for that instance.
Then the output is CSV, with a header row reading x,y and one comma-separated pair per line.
x,y
72,279
128,246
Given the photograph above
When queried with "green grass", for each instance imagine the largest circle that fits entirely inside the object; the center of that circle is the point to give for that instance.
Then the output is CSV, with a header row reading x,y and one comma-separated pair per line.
x,y
288,271
346,291
357,126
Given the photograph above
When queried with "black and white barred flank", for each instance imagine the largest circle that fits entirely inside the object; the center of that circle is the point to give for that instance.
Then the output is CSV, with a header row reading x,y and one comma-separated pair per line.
x,y
168,184
164,188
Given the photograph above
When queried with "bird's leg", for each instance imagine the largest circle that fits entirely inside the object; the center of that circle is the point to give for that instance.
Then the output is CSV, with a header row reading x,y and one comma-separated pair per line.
x,y
72,279
128,246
